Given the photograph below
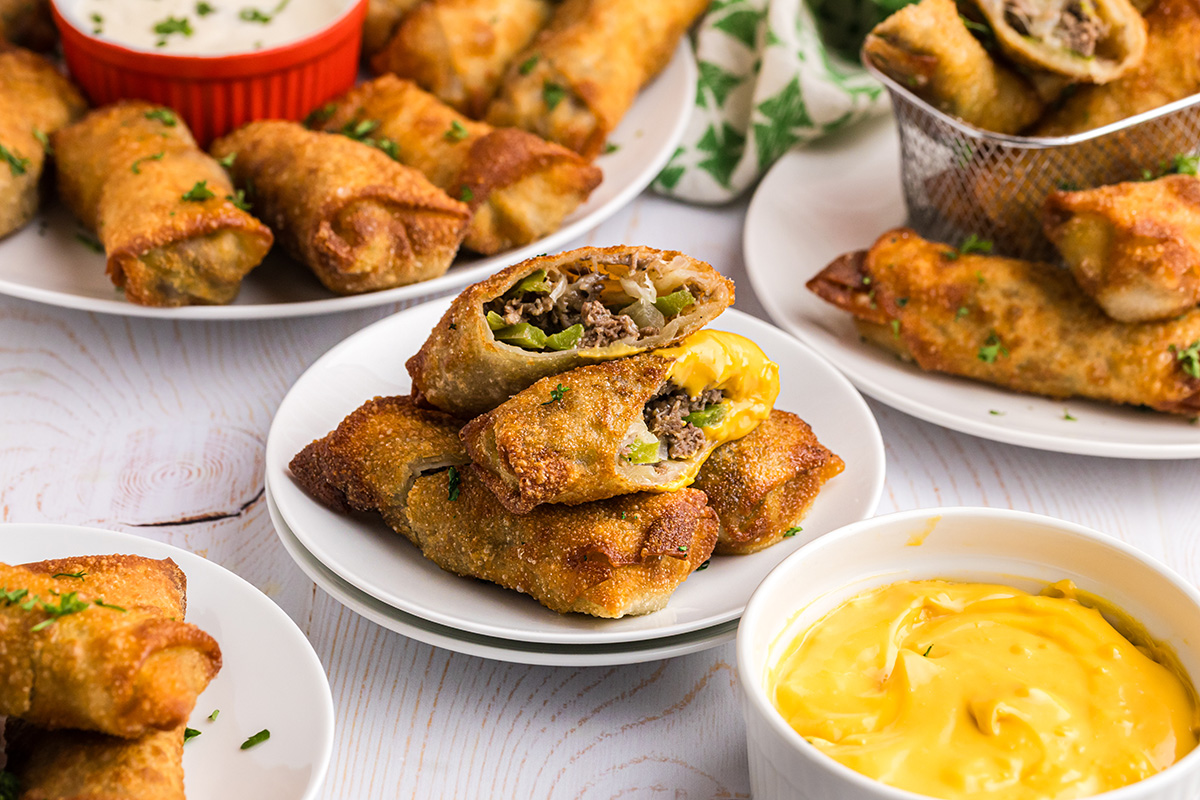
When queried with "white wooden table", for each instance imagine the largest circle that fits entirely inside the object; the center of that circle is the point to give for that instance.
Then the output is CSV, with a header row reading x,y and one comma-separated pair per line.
x,y
158,428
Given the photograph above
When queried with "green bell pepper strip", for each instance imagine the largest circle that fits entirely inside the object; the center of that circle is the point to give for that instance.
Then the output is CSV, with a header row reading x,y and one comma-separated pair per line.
x,y
565,340
523,335
671,304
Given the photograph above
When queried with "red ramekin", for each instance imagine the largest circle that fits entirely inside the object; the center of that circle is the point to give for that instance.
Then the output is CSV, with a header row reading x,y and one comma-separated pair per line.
x,y
215,94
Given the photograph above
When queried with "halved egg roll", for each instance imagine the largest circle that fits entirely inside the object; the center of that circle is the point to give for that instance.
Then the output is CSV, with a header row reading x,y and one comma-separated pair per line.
x,y
35,101
172,227
553,313
643,423
1015,324
1133,247
79,765
583,72
518,187
928,48
608,559
358,219
762,485
73,659
1094,41
380,23
459,49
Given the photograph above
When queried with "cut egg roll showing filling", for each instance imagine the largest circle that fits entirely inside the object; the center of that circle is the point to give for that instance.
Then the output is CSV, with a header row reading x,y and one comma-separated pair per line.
x,y
645,423
553,313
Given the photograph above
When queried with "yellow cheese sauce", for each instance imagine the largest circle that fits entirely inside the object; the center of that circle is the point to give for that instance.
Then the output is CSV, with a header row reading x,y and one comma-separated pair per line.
x,y
957,690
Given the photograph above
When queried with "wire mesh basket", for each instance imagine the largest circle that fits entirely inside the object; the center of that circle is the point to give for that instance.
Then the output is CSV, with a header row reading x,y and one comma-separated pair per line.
x,y
960,180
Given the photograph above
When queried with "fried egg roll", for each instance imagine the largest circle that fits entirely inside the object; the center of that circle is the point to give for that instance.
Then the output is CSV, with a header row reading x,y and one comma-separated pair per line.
x,y
518,187
72,659
552,313
78,765
459,49
380,23
1015,324
608,559
583,72
928,48
35,101
1169,71
763,484
358,219
1133,247
643,423
172,227
27,23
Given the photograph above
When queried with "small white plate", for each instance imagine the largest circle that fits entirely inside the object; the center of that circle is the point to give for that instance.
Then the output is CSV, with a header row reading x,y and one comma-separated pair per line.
x,y
46,261
270,677
550,655
371,557
840,195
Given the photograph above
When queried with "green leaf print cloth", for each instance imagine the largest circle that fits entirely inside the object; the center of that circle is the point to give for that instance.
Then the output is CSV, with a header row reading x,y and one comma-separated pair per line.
x,y
766,83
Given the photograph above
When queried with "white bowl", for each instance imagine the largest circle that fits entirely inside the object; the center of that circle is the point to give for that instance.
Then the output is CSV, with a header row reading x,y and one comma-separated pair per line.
x,y
1024,550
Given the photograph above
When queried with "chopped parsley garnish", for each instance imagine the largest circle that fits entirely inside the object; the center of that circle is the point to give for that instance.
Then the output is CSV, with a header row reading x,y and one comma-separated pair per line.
x,y
189,734
1067,416
962,312
457,132
361,129
995,413
257,738
466,195
557,393
703,566
10,787
973,244
136,166
164,115
228,160
992,349
239,200
979,277
204,9
895,328
609,147
44,141
263,17
16,164
76,575
1185,164
319,116
927,649
527,65
171,25
68,603
1188,358
902,301
213,716
10,597
1068,186
790,532
683,548
198,193
389,147
110,606
553,94
90,242
455,483
950,255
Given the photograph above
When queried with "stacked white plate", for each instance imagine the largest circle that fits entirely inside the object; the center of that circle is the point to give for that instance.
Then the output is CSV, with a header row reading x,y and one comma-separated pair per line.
x,y
377,573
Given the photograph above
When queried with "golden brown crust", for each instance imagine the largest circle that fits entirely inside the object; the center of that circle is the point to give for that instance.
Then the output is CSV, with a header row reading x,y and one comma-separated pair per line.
x,y
459,49
519,187
461,368
1016,324
1134,247
358,219
136,580
125,175
764,483
380,23
33,97
595,56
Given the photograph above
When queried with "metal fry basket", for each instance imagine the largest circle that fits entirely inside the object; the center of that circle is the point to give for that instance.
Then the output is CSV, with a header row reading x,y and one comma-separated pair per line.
x,y
960,180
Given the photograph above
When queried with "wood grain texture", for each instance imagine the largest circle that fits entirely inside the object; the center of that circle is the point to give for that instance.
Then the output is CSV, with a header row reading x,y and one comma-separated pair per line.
x,y
158,428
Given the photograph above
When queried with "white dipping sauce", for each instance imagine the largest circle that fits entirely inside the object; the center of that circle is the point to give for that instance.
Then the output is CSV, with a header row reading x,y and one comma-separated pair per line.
x,y
208,28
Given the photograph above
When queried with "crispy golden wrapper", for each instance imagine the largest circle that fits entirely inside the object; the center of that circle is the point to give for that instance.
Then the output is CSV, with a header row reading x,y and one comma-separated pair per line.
x,y
1011,323
34,100
928,48
459,49
1169,71
358,219
1134,247
583,72
763,484
380,23
607,559
163,209
518,187
463,369
121,672
27,23
78,765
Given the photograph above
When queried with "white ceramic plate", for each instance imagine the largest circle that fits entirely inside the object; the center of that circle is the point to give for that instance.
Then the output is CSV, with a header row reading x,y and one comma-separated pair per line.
x,y
46,261
552,655
841,195
270,677
368,555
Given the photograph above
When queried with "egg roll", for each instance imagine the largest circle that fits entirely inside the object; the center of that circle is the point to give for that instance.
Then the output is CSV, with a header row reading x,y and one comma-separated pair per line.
x,y
174,232
360,220
517,186
1015,324
577,79
459,49
762,485
35,101
79,765
27,23
380,23
640,424
1169,71
607,559
927,48
70,658
552,313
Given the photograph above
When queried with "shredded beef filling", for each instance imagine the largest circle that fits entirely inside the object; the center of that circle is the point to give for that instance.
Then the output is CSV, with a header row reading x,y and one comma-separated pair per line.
x,y
664,417
1075,30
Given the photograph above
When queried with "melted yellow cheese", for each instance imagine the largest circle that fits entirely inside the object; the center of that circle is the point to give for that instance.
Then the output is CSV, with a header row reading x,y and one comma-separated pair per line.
x,y
734,364
980,691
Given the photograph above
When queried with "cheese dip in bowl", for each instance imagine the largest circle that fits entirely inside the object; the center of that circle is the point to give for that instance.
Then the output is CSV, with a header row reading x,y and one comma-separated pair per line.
x,y
971,653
